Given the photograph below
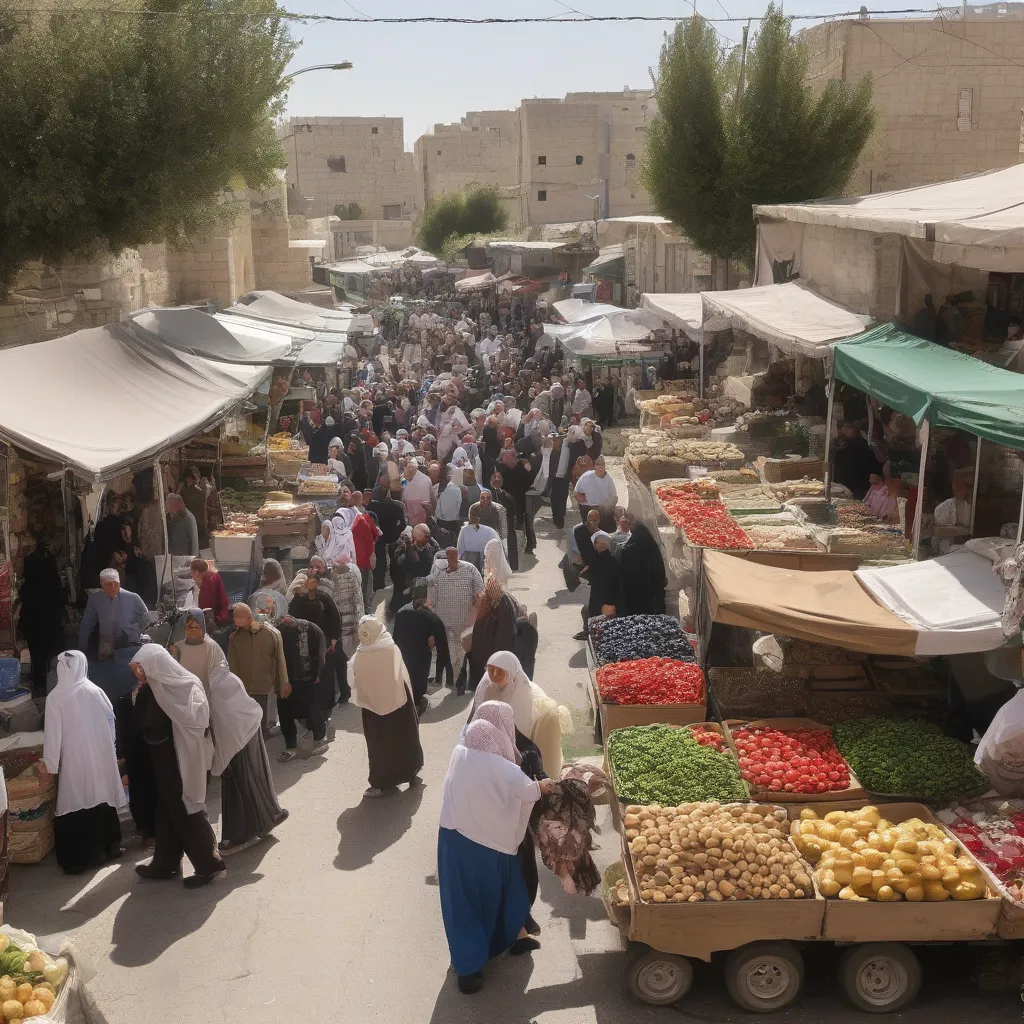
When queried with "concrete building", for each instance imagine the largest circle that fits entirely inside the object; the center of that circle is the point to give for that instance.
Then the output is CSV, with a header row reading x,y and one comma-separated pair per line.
x,y
949,92
335,161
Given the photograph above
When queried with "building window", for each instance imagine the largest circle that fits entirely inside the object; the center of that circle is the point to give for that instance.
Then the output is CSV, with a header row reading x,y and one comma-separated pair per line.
x,y
542,161
393,211
336,163
631,160
542,196
374,131
579,161
439,152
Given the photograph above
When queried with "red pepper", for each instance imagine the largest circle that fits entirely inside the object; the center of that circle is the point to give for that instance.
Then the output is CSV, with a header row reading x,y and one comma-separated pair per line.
x,y
651,681
706,524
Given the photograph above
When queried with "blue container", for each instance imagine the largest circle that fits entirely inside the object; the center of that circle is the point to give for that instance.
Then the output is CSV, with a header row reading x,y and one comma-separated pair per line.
x,y
10,678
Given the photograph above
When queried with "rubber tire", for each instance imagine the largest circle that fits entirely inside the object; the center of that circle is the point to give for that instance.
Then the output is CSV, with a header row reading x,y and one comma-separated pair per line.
x,y
787,957
854,960
670,974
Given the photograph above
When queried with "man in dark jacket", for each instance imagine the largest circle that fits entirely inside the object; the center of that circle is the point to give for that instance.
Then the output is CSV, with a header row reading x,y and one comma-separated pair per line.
x,y
390,515
419,633
411,560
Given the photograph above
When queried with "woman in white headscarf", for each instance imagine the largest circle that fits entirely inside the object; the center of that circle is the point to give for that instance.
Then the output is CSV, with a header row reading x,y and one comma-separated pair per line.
x,y
536,715
79,747
339,541
175,723
381,687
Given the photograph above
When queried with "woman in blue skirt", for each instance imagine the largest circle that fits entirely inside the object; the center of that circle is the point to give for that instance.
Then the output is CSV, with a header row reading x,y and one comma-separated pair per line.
x,y
485,810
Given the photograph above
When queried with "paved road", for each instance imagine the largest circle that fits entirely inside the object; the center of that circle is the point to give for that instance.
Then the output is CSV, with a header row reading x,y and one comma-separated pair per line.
x,y
336,918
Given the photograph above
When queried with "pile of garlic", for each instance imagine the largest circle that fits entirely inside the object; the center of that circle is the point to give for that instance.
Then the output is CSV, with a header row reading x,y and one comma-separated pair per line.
x,y
858,855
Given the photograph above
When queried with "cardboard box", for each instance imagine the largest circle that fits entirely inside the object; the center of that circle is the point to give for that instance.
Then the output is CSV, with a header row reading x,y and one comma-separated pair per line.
x,y
700,929
855,791
949,921
619,716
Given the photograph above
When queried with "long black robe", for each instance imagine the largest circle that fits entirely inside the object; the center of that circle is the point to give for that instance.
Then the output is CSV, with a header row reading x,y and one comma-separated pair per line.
x,y
413,628
642,570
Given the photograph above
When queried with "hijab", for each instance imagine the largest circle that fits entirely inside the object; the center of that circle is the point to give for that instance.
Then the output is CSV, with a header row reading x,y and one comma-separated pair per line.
x,y
377,673
181,697
495,564
499,715
234,716
488,738
341,542
72,671
275,576
517,691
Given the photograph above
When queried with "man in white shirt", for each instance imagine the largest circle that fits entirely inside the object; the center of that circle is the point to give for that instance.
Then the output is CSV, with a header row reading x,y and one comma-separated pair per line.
x,y
417,493
596,489
453,587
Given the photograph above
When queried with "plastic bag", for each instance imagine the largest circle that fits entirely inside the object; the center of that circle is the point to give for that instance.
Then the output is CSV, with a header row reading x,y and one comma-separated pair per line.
x,y
1000,754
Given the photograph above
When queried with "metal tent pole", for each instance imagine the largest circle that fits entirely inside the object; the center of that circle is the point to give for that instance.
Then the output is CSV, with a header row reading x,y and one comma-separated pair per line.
x,y
977,476
828,430
919,508
158,483
1020,516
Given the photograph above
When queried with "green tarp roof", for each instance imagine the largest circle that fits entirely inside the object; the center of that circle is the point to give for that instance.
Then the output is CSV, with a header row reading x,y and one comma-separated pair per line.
x,y
928,382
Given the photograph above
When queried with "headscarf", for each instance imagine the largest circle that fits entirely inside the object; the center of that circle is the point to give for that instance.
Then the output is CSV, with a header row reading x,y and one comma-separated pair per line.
x,y
181,697
198,616
601,535
234,716
314,418
517,691
275,576
487,738
341,543
495,564
72,671
459,455
377,673
269,606
499,714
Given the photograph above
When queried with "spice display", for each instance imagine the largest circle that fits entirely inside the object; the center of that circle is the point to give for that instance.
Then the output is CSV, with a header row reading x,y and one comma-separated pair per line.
x,y
285,510
781,537
651,681
663,764
633,637
833,706
232,501
705,523
322,488
742,692
693,453
993,832
702,487
791,760
859,855
238,524
908,758
705,851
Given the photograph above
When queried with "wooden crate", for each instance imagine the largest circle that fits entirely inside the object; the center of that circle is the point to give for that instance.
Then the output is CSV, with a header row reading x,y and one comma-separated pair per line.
x,y
619,716
949,921
700,929
855,791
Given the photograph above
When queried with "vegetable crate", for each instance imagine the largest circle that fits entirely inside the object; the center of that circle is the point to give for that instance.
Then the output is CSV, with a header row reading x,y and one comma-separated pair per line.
x,y
700,929
618,716
854,791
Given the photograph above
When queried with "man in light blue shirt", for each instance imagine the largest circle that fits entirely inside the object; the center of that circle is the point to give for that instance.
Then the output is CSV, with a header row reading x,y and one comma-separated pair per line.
x,y
118,615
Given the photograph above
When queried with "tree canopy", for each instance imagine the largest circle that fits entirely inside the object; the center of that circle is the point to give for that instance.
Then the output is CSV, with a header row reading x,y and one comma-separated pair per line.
x,y
452,219
119,128
717,145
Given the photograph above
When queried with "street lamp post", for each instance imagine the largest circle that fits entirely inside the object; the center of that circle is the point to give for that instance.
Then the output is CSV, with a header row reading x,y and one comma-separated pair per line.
x,y
345,65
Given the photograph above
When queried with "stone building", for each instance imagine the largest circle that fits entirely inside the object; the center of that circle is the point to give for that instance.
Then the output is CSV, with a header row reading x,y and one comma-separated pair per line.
x,y
949,92
341,161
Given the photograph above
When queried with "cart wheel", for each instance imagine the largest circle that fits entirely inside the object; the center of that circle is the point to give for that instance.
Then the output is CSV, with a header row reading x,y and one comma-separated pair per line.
x,y
657,978
880,977
764,976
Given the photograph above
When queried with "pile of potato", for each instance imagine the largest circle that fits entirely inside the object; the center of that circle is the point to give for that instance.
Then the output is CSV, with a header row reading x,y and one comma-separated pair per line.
x,y
715,852
858,855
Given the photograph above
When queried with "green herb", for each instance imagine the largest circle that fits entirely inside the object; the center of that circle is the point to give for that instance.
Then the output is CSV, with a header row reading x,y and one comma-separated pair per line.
x,y
659,764
907,758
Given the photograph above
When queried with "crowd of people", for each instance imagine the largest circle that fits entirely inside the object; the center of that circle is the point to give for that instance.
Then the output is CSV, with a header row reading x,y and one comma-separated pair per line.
x,y
444,458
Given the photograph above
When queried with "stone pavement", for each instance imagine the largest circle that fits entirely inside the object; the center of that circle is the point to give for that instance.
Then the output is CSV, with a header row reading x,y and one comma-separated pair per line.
x,y
336,917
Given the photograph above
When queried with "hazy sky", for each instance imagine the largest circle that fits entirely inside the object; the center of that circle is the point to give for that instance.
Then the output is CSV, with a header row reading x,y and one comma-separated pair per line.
x,y
435,73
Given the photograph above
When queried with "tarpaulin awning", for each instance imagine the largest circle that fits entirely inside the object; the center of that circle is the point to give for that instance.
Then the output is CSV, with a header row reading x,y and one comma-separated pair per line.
x,y
981,209
610,261
927,382
476,283
112,400
820,607
579,311
197,333
789,316
683,310
274,306
626,331
873,611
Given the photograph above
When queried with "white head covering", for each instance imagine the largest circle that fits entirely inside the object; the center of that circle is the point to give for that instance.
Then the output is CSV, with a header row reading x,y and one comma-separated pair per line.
x,y
335,442
377,673
459,455
517,692
181,697
601,535
72,669
495,563
341,542
234,715
110,576
499,714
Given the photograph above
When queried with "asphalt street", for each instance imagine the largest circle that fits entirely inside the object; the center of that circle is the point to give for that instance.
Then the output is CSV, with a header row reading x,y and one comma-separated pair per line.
x,y
337,917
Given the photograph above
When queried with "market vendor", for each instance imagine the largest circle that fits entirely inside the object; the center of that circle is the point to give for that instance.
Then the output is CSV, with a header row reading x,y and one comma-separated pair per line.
x,y
118,615
880,500
855,461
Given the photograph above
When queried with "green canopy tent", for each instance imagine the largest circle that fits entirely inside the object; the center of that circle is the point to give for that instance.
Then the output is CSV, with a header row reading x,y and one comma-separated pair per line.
x,y
934,386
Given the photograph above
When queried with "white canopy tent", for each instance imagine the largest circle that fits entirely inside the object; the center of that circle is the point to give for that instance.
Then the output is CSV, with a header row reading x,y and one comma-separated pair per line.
x,y
626,331
683,310
579,311
115,398
274,306
197,333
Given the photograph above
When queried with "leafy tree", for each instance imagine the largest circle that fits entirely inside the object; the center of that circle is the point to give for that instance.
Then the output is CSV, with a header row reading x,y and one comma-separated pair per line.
x,y
718,146
451,216
119,127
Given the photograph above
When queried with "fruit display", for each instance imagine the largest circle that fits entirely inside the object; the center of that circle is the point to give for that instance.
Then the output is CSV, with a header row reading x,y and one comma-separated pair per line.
x,y
860,856
667,764
705,523
709,852
238,524
29,979
790,760
651,681
634,637
908,759
993,833
701,487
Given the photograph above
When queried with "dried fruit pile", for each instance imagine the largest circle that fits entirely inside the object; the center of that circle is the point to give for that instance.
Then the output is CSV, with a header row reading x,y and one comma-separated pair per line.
x,y
651,681
993,832
632,637
705,851
707,524
791,760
